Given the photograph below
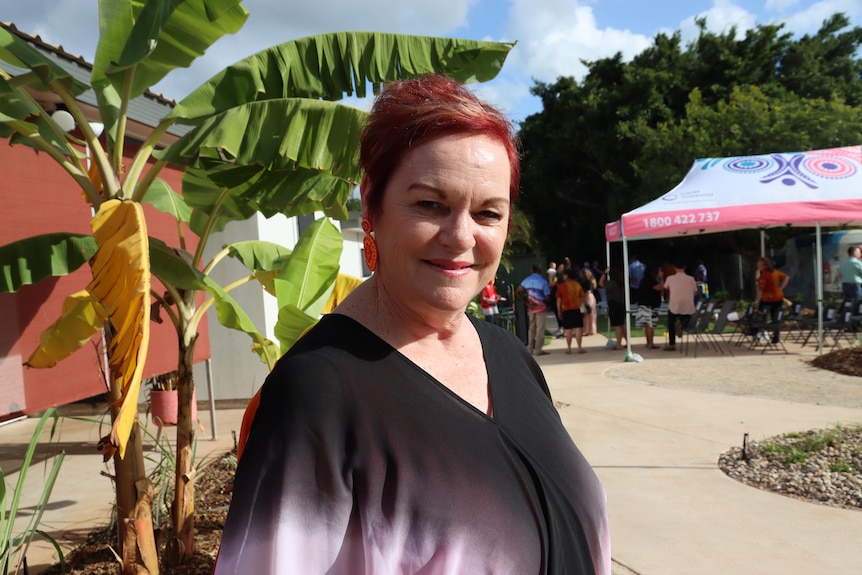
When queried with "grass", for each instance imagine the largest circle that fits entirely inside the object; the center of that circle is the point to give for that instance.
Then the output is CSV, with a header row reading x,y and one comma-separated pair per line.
x,y
803,445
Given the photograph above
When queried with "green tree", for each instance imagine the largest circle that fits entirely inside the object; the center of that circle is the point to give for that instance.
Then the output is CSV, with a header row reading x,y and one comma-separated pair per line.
x,y
586,154
267,135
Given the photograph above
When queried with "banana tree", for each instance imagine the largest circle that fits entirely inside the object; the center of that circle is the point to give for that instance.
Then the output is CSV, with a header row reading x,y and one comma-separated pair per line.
x,y
266,136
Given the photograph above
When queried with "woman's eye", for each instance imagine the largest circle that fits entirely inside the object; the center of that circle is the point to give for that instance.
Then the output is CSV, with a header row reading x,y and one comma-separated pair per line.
x,y
488,216
428,205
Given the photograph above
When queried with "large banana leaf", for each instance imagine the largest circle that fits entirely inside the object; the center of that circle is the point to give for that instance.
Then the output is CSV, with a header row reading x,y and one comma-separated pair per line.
x,y
142,41
278,134
312,269
82,317
240,191
31,260
121,281
330,66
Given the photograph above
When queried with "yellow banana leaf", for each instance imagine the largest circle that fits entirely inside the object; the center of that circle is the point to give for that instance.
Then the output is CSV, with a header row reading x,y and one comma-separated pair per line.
x,y
344,284
81,318
121,281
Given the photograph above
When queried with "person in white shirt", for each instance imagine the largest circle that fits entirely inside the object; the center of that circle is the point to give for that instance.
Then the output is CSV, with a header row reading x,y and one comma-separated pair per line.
x,y
682,290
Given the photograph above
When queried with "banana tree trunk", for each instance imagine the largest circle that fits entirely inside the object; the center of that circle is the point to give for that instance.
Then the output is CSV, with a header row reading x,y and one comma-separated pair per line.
x,y
182,545
135,536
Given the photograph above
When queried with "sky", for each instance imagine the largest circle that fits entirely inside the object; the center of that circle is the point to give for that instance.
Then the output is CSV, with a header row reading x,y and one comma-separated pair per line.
x,y
553,36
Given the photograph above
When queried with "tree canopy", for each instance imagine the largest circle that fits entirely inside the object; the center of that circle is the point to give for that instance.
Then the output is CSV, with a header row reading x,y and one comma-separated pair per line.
x,y
629,131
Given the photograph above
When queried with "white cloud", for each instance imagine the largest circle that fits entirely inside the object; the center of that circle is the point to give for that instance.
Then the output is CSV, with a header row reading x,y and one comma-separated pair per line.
x,y
555,35
809,20
779,5
723,15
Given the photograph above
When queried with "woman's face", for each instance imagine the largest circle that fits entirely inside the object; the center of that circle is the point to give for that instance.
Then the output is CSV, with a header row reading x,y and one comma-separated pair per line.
x,y
443,223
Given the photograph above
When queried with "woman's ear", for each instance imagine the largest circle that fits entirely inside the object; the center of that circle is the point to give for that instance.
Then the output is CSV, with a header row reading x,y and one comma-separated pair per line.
x,y
364,192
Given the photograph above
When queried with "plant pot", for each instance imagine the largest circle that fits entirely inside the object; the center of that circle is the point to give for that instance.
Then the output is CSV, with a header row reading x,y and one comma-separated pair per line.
x,y
163,407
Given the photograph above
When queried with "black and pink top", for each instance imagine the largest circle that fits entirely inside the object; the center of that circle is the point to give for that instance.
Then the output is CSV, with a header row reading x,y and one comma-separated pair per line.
x,y
360,463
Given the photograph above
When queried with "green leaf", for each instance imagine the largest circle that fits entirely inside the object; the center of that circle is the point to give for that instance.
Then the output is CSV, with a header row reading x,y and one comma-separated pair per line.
x,y
231,315
330,66
147,40
312,269
203,196
174,267
21,54
161,196
277,134
260,255
31,260
291,324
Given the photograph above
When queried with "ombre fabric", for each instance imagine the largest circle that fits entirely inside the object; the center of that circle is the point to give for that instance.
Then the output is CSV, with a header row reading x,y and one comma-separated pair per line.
x,y
359,462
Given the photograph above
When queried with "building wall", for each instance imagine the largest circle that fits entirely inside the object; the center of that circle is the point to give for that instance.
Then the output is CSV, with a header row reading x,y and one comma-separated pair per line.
x,y
38,197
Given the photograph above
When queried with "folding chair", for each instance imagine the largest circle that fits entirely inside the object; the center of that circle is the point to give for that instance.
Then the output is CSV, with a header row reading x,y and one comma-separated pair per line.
x,y
841,328
698,325
792,320
743,326
716,334
810,324
768,328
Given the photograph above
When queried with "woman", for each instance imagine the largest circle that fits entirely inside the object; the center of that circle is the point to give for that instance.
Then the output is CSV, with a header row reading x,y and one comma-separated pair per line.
x,y
570,295
770,291
401,435
588,282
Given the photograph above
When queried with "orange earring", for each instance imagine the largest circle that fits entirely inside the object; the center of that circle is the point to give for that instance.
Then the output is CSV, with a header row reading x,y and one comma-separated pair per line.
x,y
370,246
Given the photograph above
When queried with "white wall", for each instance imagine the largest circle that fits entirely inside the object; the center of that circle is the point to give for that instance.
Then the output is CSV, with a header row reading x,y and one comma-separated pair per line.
x,y
237,371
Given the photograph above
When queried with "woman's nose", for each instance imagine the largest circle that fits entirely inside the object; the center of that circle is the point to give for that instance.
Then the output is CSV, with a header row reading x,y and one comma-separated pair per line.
x,y
458,231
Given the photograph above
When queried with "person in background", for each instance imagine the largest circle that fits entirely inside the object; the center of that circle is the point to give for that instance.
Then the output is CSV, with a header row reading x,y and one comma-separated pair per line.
x,y
552,273
570,297
649,302
597,274
770,291
535,293
636,273
488,299
558,279
701,280
681,289
588,282
850,275
337,476
614,283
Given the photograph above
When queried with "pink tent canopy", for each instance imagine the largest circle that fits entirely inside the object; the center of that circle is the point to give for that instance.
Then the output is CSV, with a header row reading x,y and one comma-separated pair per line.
x,y
721,194
817,188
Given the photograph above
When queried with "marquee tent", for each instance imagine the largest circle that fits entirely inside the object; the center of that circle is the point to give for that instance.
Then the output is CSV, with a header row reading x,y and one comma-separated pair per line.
x,y
816,188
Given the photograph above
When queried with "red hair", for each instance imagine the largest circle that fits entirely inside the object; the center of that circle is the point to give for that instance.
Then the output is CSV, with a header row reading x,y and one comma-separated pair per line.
x,y
409,113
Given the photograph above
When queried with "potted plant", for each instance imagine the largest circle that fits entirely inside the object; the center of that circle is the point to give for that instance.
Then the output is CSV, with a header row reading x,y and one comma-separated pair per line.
x,y
164,400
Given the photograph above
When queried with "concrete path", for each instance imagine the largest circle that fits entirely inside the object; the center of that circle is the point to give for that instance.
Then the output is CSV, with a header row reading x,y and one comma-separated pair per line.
x,y
652,430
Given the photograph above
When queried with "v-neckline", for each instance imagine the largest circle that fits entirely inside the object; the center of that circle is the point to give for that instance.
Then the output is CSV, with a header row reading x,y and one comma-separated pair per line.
x,y
491,403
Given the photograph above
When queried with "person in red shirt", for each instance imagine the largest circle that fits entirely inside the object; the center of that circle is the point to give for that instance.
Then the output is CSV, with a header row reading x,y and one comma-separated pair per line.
x,y
489,298
770,291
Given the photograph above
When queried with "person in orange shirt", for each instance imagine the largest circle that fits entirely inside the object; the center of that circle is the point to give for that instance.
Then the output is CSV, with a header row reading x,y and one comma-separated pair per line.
x,y
770,291
570,294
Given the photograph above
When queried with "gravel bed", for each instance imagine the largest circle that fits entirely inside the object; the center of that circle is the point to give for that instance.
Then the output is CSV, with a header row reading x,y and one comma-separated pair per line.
x,y
823,466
